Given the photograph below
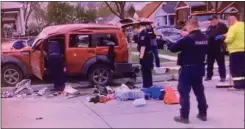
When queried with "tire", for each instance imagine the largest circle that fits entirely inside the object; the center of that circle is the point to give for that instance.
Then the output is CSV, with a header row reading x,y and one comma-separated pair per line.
x,y
11,75
103,73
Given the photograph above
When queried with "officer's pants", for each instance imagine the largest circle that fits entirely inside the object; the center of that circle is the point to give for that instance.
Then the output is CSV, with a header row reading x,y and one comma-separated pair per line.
x,y
147,66
155,52
220,58
191,77
56,68
237,68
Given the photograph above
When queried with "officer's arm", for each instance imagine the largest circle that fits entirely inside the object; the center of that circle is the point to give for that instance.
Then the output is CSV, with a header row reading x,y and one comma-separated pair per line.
x,y
176,47
230,35
142,52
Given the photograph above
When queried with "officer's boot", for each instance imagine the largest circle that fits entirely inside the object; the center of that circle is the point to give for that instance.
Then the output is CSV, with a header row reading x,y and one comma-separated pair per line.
x,y
202,117
181,120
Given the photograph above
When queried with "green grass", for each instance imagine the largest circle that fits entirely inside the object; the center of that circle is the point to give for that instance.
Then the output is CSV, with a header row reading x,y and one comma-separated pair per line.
x,y
135,59
167,52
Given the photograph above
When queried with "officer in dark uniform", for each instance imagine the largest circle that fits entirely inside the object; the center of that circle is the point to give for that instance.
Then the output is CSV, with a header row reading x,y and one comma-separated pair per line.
x,y
193,49
216,49
55,60
146,57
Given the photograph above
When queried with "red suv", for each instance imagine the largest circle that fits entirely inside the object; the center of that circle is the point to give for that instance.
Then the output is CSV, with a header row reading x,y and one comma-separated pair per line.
x,y
85,53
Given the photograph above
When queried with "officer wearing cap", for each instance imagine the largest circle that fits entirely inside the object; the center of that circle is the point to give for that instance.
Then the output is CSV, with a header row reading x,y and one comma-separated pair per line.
x,y
216,47
56,64
146,56
193,49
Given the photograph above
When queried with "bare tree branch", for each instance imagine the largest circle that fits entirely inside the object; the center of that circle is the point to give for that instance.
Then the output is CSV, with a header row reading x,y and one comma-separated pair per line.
x,y
118,8
109,6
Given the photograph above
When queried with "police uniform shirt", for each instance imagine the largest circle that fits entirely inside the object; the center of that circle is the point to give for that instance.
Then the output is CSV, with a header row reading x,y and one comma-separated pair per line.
x,y
144,40
193,48
218,29
54,48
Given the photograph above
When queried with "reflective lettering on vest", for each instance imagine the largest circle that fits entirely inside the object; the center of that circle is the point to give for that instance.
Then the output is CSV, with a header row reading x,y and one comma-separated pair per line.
x,y
204,42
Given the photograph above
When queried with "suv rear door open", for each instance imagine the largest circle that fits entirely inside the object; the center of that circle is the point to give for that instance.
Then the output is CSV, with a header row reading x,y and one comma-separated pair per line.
x,y
37,60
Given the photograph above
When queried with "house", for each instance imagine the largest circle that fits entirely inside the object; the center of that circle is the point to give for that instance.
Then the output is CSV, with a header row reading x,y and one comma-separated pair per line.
x,y
161,13
185,8
228,8
12,13
224,8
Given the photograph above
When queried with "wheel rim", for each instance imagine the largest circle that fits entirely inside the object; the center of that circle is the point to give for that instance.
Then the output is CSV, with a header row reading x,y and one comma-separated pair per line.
x,y
100,76
11,76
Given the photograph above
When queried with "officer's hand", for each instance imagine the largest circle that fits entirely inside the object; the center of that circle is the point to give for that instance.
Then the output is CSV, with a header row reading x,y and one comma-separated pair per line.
x,y
218,37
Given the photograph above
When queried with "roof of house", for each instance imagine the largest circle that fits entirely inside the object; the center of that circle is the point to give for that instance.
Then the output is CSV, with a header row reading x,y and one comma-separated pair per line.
x,y
195,4
224,4
169,7
149,9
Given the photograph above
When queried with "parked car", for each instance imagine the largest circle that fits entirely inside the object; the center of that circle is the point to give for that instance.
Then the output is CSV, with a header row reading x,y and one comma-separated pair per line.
x,y
85,53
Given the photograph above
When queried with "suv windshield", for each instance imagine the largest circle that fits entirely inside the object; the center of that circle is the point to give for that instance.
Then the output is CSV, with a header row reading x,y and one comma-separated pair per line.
x,y
41,35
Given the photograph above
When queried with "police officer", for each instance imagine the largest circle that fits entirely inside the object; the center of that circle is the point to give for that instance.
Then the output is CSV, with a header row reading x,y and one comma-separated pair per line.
x,y
146,56
152,34
216,48
193,49
56,64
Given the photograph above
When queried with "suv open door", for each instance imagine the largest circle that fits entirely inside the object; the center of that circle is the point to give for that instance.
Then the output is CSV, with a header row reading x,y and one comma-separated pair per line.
x,y
37,60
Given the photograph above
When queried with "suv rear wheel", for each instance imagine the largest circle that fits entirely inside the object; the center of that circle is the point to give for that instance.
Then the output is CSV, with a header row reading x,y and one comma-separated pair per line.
x,y
100,75
11,74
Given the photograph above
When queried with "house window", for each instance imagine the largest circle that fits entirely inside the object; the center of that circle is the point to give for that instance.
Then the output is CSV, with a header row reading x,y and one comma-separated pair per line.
x,y
105,39
80,41
172,19
165,20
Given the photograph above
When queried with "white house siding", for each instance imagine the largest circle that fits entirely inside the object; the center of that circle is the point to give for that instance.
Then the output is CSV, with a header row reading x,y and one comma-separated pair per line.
x,y
160,18
19,20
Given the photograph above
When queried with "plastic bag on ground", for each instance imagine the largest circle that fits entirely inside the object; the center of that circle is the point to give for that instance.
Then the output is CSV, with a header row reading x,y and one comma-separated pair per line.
x,y
139,102
154,92
68,89
170,96
42,91
124,93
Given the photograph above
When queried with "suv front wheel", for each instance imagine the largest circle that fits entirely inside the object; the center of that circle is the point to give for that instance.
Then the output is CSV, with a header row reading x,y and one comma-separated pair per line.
x,y
100,74
11,74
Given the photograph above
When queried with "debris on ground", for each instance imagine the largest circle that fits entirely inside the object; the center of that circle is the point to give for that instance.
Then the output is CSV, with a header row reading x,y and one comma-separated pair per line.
x,y
42,91
123,93
7,94
154,92
170,96
139,102
69,90
39,118
24,84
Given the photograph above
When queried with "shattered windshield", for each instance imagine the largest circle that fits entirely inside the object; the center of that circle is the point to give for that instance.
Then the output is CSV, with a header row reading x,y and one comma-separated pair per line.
x,y
41,35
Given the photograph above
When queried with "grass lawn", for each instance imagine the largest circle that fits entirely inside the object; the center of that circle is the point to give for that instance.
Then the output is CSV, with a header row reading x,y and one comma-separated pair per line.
x,y
135,59
167,52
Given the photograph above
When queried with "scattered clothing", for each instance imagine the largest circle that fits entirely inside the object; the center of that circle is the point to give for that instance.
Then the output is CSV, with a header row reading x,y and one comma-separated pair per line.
x,y
154,92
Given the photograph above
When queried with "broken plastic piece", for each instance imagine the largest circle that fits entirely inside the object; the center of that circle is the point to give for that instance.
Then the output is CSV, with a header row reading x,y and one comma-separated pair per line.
x,y
42,91
139,102
24,84
68,89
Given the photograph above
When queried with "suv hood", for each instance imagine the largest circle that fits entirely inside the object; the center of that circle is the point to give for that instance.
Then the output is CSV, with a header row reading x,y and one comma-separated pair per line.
x,y
7,47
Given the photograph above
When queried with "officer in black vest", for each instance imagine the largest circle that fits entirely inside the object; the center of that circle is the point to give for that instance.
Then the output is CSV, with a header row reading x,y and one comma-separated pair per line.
x,y
56,64
146,56
216,49
193,49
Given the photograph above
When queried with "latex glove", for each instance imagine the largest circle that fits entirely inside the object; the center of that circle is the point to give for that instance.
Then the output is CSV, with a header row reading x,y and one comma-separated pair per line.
x,y
218,37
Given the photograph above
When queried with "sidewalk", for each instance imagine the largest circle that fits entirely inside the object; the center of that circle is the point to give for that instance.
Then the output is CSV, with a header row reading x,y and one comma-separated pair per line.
x,y
226,110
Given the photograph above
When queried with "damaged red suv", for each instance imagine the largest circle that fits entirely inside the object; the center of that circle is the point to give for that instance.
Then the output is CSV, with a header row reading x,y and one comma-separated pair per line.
x,y
85,53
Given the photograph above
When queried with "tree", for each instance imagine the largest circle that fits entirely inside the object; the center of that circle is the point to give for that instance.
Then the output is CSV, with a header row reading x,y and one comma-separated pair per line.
x,y
117,8
85,15
60,13
40,17
28,7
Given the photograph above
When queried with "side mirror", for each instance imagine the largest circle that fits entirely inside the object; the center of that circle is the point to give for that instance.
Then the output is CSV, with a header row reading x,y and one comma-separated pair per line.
x,y
18,45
